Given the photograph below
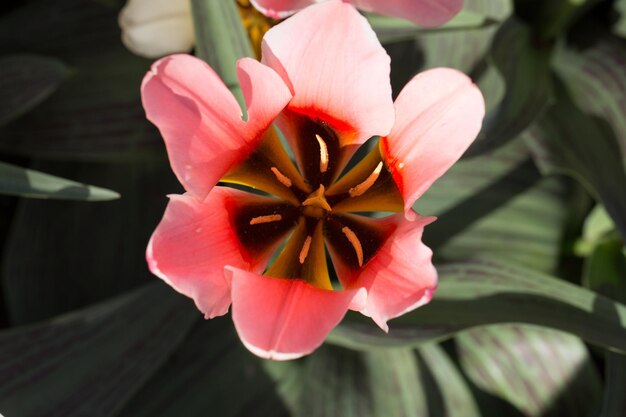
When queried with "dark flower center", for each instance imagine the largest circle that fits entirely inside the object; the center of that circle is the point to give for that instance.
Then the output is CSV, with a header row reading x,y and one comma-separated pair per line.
x,y
318,206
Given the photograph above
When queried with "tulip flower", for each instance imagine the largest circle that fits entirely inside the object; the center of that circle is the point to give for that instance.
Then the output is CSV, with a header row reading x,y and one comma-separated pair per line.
x,y
154,28
324,81
422,12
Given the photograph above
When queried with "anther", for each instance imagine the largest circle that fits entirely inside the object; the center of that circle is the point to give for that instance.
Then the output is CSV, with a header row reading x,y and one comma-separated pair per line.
x,y
305,249
323,154
365,185
356,243
282,178
266,219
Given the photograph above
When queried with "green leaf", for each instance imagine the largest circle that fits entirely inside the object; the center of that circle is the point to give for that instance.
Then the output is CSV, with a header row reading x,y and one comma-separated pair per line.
x,y
604,272
551,19
620,26
221,39
568,141
390,382
457,399
540,371
496,205
62,255
595,77
96,114
211,372
26,81
91,362
479,293
28,183
525,68
464,49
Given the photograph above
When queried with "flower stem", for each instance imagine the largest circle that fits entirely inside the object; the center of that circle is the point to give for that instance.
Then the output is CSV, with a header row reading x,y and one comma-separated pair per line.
x,y
220,39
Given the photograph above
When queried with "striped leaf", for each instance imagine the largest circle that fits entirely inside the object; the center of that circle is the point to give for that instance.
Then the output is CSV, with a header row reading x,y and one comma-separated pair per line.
x,y
525,68
34,184
83,253
26,81
568,141
211,373
481,292
595,76
604,272
496,205
96,113
390,382
92,361
540,371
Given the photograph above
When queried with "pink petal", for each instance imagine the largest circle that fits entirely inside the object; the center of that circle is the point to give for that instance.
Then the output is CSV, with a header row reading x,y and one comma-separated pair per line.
x,y
422,12
284,318
400,277
200,120
438,115
191,246
280,9
338,70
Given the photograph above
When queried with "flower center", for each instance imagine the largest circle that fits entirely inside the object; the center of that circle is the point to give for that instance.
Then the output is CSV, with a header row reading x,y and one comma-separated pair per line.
x,y
318,211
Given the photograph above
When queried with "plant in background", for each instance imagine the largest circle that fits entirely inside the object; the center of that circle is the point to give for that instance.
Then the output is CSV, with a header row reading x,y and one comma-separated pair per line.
x,y
422,12
214,242
154,28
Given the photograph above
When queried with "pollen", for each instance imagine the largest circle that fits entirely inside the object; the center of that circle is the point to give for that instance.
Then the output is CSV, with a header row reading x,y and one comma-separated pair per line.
x,y
282,178
356,243
361,188
266,219
304,252
323,154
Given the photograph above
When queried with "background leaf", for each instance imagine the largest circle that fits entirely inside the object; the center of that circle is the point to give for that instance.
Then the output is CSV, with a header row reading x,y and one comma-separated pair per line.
x,y
540,371
91,362
211,370
567,141
86,252
28,183
470,293
26,81
393,382
525,67
94,115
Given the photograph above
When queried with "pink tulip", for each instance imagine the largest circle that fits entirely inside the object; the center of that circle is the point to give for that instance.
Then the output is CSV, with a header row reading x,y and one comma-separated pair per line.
x,y
324,80
422,12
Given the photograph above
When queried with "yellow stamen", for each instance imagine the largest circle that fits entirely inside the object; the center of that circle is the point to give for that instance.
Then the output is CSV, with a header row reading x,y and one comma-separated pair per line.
x,y
365,185
323,154
282,178
356,243
266,219
317,199
305,249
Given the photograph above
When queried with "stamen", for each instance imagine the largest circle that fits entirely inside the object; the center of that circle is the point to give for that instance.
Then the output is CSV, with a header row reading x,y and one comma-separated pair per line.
x,y
356,243
323,154
365,185
266,219
284,180
305,249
